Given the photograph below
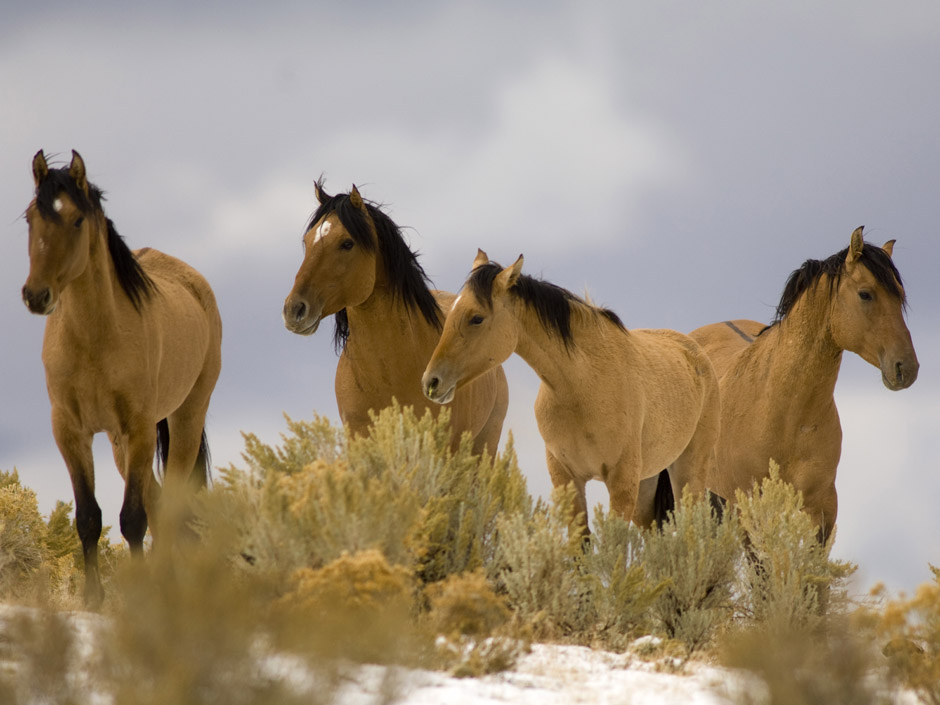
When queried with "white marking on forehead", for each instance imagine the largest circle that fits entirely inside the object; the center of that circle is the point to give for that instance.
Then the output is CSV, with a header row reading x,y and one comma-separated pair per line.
x,y
57,205
454,305
323,229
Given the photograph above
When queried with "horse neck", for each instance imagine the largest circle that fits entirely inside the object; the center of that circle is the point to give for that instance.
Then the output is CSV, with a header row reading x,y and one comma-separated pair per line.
x,y
806,360
559,367
384,325
89,302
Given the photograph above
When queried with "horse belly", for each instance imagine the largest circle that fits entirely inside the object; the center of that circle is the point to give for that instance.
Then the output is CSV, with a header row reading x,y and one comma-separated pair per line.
x,y
183,354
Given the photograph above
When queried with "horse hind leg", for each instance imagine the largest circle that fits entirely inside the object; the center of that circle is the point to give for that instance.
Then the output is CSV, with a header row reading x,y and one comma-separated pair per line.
x,y
655,499
139,484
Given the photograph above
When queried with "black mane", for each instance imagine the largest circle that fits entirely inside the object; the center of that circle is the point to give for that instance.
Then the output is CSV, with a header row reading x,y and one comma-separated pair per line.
x,y
407,280
135,282
551,303
877,261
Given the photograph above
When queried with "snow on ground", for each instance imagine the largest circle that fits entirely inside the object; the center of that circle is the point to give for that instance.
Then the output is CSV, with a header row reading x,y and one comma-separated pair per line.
x,y
555,675
549,674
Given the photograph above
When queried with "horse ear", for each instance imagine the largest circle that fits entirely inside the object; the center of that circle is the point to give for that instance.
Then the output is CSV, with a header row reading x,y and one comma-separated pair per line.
x,y
322,196
510,275
77,171
855,247
356,199
888,247
40,168
481,259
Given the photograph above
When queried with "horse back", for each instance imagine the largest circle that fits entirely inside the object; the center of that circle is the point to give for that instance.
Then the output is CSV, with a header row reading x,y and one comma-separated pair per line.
x,y
724,341
179,282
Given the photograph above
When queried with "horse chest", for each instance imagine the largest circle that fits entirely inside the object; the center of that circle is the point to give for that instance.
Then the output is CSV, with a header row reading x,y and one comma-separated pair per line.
x,y
574,435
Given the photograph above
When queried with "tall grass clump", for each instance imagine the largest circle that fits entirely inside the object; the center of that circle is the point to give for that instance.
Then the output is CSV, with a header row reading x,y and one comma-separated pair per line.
x,y
185,626
797,666
696,555
791,580
908,628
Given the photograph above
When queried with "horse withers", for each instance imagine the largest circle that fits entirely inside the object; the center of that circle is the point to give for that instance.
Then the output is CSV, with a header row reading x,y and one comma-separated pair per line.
x,y
358,268
132,347
777,381
614,405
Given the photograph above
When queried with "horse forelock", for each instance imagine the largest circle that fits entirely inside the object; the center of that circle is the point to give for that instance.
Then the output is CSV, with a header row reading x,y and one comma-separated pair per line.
x,y
552,304
54,184
873,258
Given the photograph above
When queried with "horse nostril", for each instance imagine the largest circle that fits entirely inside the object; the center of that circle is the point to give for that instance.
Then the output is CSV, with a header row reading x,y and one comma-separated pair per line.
x,y
432,385
294,311
36,301
899,372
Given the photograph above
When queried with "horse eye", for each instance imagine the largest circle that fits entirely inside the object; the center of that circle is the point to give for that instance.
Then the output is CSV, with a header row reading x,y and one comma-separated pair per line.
x,y
476,320
347,244
865,295
79,221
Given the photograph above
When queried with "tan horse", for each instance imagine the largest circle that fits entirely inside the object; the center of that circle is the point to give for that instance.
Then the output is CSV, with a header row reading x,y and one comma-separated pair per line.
x,y
358,267
132,348
614,405
777,381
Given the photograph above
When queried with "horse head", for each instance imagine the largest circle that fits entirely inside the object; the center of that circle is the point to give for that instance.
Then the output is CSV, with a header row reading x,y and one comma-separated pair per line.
x,y
61,220
867,313
339,265
480,330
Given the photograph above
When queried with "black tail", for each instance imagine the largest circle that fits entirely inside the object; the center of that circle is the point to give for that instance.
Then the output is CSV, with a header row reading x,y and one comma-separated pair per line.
x,y
664,501
718,504
201,473
163,447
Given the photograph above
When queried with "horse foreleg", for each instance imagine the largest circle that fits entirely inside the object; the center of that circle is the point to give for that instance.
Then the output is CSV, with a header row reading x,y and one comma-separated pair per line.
x,y
488,437
561,477
623,486
76,450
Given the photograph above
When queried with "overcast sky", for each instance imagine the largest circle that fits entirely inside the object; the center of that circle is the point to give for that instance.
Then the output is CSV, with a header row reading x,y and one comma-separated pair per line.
x,y
678,159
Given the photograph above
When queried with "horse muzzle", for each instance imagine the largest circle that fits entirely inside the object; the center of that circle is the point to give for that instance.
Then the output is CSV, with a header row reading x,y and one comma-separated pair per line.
x,y
435,390
299,318
899,374
41,302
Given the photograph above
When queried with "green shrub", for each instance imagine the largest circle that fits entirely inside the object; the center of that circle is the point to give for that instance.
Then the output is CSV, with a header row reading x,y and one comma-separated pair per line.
x,y
22,537
697,556
470,622
789,574
42,657
357,607
466,605
540,569
909,629
400,490
621,594
799,666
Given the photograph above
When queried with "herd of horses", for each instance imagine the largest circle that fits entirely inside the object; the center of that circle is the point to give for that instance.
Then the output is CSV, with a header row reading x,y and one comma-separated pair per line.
x,y
132,347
